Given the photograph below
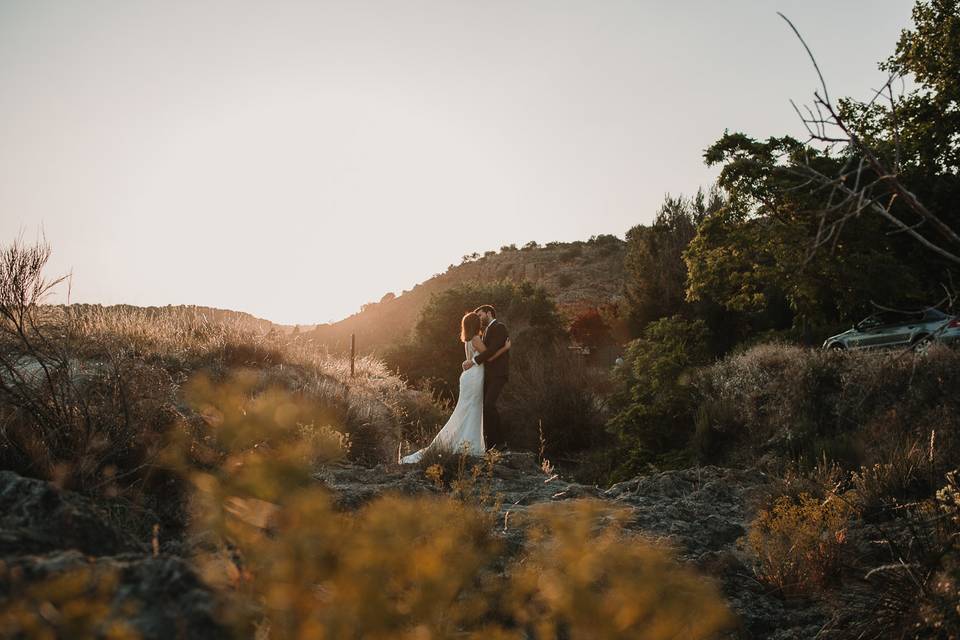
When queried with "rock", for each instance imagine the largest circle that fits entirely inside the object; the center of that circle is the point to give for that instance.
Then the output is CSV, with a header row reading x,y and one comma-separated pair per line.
x,y
519,460
354,485
158,597
36,517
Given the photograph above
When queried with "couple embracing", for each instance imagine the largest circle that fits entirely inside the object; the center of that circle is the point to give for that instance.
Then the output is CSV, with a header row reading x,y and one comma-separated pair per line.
x,y
475,424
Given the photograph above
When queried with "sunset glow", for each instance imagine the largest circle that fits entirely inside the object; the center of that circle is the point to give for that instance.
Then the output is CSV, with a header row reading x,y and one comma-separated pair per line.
x,y
298,159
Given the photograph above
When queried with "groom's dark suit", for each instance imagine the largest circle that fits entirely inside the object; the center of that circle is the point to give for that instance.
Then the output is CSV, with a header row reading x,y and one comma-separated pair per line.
x,y
494,378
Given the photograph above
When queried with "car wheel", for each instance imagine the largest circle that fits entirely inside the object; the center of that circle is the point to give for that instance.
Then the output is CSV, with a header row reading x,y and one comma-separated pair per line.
x,y
836,346
921,344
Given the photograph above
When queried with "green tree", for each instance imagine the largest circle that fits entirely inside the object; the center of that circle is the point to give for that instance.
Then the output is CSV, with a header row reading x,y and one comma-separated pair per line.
x,y
924,123
655,275
790,248
758,255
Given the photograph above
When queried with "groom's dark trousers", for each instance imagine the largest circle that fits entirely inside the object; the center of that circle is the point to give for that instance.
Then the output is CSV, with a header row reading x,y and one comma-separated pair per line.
x,y
494,378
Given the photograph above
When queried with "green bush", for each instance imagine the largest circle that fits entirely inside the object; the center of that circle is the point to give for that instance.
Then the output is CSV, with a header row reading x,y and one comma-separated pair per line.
x,y
655,400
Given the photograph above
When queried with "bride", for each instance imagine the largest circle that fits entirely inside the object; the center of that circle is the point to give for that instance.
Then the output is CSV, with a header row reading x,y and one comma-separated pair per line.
x,y
464,429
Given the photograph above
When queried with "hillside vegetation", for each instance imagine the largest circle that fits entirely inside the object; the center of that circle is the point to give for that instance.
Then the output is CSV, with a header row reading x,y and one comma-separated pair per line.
x,y
578,275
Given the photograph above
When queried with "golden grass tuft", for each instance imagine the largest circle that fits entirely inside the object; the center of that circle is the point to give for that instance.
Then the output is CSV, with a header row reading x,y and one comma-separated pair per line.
x,y
798,542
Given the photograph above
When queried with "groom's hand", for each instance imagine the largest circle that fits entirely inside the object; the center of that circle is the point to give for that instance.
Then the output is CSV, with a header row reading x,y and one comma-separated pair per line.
x,y
467,364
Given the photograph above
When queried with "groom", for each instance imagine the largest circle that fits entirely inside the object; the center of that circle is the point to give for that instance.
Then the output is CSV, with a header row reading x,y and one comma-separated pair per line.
x,y
495,377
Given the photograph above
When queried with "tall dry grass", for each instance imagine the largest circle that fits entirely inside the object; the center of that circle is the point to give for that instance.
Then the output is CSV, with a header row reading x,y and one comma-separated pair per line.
x,y
129,366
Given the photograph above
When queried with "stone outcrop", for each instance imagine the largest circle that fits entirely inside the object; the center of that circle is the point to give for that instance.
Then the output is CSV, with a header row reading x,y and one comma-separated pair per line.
x,y
36,517
53,537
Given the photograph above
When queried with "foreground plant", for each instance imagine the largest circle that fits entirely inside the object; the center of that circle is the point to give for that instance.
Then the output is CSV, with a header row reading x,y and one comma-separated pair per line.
x,y
288,564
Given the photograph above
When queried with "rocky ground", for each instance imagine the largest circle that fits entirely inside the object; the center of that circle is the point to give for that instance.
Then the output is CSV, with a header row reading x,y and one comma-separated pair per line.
x,y
46,532
700,512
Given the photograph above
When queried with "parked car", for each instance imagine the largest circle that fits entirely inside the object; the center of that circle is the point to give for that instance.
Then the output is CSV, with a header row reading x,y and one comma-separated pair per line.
x,y
896,329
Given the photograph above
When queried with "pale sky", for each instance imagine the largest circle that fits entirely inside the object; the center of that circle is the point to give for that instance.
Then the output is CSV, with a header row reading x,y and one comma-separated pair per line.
x,y
297,159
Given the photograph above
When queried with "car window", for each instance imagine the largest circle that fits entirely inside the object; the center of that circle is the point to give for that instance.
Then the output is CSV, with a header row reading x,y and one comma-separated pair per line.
x,y
889,317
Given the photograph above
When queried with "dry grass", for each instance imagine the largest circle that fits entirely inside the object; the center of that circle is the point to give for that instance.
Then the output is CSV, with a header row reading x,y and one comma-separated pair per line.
x,y
908,583
582,576
858,408
127,366
798,543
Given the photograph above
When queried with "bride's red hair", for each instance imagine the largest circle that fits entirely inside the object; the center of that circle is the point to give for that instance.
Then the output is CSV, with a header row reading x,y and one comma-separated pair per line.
x,y
469,326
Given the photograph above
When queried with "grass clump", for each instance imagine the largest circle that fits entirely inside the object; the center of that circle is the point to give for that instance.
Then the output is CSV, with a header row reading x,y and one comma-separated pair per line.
x,y
908,584
799,542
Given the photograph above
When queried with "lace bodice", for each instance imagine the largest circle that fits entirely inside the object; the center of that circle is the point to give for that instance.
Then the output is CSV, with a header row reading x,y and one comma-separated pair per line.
x,y
471,351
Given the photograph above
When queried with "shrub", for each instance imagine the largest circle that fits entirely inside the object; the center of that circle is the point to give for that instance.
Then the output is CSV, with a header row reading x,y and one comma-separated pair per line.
x,y
469,478
798,542
903,476
79,422
859,408
589,329
550,404
655,399
910,581
614,586
77,603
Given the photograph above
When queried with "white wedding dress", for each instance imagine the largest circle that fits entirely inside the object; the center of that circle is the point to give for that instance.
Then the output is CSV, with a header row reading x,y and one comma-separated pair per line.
x,y
464,429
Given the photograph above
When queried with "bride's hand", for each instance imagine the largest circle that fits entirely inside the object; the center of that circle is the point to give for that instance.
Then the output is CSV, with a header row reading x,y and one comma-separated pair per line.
x,y
507,343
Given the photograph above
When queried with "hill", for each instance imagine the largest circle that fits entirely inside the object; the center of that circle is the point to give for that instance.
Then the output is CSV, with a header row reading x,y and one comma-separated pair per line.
x,y
238,319
578,274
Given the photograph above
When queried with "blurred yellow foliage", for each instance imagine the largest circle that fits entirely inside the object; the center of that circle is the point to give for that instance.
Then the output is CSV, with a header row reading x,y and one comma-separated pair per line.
x,y
290,565
583,576
74,604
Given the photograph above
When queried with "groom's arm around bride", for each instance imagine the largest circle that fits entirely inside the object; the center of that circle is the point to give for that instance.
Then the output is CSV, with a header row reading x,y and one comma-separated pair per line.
x,y
495,339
